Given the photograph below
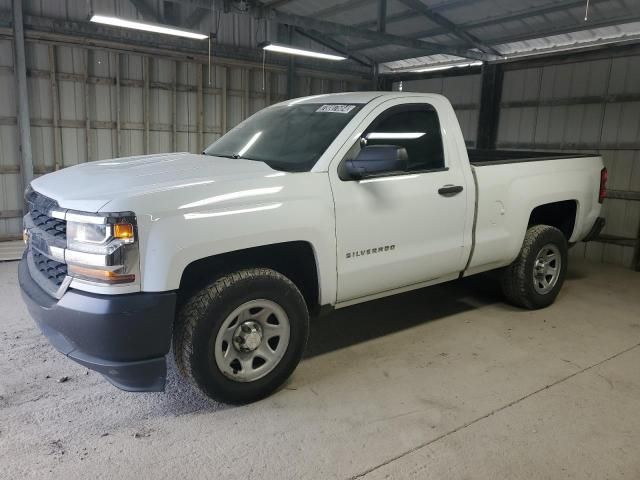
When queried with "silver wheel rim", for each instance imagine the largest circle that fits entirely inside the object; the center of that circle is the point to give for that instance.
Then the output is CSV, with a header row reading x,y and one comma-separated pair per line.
x,y
252,340
546,269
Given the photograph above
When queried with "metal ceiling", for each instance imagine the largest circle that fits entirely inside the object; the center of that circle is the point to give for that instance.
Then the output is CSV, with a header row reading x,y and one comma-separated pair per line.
x,y
401,35
505,28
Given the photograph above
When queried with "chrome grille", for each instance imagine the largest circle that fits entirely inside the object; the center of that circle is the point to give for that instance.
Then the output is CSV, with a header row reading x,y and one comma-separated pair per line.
x,y
53,271
45,234
39,211
50,225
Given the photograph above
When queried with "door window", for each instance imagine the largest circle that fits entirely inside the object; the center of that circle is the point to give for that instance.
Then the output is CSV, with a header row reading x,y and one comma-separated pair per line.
x,y
417,129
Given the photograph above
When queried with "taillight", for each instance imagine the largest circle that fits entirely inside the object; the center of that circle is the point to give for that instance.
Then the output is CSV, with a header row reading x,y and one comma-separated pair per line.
x,y
604,176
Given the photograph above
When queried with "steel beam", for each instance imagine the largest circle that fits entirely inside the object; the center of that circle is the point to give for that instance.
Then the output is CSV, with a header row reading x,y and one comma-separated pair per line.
x,y
55,109
224,102
578,27
146,11
353,4
24,123
495,20
382,16
174,108
146,102
87,110
448,25
332,44
498,19
280,3
118,106
341,8
331,28
490,98
579,48
196,17
291,67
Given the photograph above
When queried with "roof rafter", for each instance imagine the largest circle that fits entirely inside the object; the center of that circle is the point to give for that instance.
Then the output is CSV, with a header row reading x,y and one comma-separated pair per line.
x,y
196,16
260,10
331,28
448,25
341,8
353,4
146,11
332,44
509,17
549,32
279,3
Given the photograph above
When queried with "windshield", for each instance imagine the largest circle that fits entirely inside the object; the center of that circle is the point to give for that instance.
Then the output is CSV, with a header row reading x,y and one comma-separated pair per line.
x,y
287,137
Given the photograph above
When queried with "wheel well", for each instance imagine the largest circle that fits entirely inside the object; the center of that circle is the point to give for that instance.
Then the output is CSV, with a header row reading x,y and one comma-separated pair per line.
x,y
295,260
561,215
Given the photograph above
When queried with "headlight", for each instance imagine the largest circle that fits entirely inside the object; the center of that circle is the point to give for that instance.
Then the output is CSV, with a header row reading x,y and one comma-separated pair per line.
x,y
84,233
102,248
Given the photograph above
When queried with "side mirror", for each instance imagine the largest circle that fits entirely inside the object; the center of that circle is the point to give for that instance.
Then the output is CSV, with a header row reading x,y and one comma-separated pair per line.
x,y
376,160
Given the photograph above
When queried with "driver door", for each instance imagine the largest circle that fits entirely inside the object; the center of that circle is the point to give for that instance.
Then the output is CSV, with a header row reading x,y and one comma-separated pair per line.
x,y
399,229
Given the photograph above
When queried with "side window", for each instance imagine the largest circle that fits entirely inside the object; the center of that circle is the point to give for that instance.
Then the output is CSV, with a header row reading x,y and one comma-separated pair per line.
x,y
415,128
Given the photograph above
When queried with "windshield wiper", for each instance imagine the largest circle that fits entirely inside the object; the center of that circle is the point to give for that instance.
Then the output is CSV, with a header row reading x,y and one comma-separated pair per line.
x,y
234,156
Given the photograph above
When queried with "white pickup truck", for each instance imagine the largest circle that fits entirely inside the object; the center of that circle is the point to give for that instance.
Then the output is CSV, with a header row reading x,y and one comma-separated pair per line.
x,y
311,204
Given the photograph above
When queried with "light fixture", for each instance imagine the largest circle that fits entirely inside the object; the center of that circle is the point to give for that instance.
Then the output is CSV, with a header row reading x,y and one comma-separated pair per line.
x,y
276,47
438,68
147,27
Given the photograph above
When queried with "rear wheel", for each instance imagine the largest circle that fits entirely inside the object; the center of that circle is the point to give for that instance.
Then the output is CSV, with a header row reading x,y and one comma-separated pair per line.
x,y
241,337
535,277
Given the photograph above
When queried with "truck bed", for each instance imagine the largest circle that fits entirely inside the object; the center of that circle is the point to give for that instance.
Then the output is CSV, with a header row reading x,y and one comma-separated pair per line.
x,y
481,158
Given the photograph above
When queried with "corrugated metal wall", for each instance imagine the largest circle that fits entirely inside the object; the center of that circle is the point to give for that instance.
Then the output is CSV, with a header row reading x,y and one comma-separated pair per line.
x,y
588,106
462,91
10,180
90,104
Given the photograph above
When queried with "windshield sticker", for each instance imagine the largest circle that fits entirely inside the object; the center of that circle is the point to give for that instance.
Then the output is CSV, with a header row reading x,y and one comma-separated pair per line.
x,y
336,108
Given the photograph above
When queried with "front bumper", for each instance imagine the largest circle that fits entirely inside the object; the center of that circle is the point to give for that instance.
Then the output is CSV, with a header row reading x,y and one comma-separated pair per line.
x,y
124,337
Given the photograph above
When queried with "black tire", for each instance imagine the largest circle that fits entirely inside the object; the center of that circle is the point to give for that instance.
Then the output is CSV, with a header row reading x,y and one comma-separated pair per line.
x,y
201,317
518,278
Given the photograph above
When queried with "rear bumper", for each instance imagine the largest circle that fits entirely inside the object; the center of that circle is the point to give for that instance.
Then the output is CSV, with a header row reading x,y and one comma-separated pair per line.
x,y
595,230
124,337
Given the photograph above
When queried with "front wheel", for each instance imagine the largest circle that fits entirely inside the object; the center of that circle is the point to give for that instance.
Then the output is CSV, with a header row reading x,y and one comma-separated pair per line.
x,y
535,277
240,338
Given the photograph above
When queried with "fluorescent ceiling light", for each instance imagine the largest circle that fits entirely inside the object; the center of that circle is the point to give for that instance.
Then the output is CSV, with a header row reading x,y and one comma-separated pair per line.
x,y
447,67
395,135
146,27
275,47
433,69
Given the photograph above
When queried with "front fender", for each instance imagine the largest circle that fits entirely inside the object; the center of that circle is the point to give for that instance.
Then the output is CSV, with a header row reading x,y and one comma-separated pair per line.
x,y
299,211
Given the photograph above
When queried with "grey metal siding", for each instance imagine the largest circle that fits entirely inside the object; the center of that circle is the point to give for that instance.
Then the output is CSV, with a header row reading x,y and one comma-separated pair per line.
x,y
10,180
587,106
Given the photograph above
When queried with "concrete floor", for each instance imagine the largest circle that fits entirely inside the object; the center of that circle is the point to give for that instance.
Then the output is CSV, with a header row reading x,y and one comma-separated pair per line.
x,y
446,382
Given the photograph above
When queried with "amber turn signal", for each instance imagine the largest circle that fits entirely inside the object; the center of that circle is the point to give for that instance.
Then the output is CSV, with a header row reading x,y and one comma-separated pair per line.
x,y
123,231
106,276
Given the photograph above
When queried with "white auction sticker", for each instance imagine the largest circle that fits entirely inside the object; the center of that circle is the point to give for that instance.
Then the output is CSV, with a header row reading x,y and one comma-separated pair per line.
x,y
336,108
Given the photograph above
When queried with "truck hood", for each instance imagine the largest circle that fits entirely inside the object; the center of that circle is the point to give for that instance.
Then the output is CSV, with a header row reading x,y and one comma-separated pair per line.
x,y
90,186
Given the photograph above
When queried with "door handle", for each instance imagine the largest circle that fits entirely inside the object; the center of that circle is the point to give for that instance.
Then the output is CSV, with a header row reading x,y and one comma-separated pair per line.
x,y
450,190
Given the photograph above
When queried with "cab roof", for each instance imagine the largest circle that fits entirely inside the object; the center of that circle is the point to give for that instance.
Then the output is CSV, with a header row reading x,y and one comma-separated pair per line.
x,y
349,97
